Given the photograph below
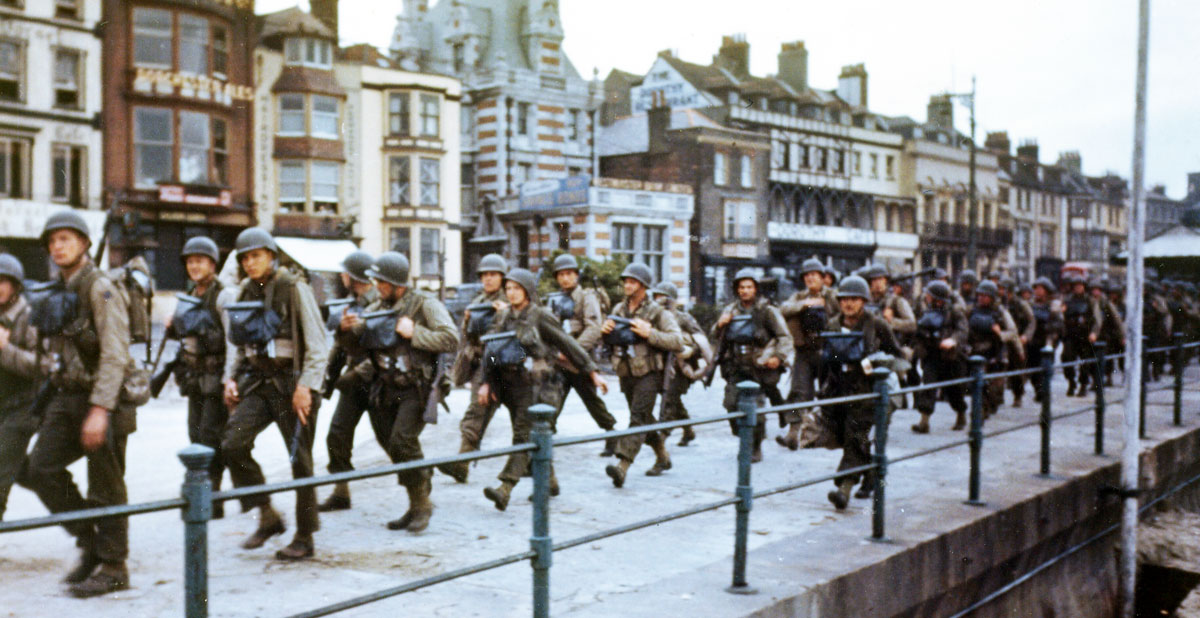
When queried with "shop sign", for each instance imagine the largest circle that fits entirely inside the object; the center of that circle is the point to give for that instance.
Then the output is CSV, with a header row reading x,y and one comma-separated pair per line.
x,y
555,193
170,83
179,195
824,234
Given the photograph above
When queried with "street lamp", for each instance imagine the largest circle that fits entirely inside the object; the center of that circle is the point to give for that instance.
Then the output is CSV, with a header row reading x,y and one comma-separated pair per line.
x,y
968,99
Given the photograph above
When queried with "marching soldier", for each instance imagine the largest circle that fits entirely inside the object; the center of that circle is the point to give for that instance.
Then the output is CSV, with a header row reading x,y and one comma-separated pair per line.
x,y
1157,324
201,327
846,375
967,281
754,347
990,330
1082,321
1116,295
1184,315
831,276
1025,292
1112,329
647,334
1022,315
84,412
519,370
352,388
278,364
20,375
1047,330
405,370
894,308
940,344
467,363
806,313
690,365
581,311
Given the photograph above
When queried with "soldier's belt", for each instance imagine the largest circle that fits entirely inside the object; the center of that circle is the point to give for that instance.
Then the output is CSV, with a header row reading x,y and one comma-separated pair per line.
x,y
277,349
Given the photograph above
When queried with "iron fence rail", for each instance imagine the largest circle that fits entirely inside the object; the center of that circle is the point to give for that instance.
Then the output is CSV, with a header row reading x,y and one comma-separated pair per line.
x,y
197,499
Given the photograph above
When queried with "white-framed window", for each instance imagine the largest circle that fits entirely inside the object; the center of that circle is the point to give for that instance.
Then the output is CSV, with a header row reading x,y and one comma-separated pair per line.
x,y
400,240
430,115
291,114
325,117
641,243
154,144
67,9
1021,241
523,113
12,70
874,165
152,38
720,169
574,124
430,181
431,245
889,167
818,159
399,180
325,178
741,220
747,172
467,119
301,180
69,185
68,78
856,164
399,113
292,191
193,44
14,166
309,52
194,142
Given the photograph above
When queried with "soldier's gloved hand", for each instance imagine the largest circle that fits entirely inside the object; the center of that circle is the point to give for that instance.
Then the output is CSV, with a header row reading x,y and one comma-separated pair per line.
x,y
404,327
608,326
641,328
4,334
231,394
95,429
725,318
349,320
599,383
302,403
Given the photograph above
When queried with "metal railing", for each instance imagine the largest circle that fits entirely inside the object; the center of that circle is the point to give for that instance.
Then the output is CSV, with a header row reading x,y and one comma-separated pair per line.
x,y
197,497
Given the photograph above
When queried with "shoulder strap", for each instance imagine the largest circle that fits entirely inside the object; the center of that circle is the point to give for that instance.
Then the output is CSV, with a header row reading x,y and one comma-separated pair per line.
x,y
297,342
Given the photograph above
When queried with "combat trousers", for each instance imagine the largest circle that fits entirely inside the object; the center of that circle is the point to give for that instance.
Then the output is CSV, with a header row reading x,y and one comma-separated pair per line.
x,y
17,426
993,388
207,417
582,384
269,403
769,390
352,403
1033,358
514,391
58,446
673,408
640,393
1017,383
939,370
401,411
804,376
852,425
476,419
1077,348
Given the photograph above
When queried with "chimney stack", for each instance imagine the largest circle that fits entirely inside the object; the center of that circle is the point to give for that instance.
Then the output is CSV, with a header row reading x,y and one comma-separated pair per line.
x,y
997,141
793,65
1028,151
940,111
1193,186
852,85
658,121
734,55
1069,160
327,12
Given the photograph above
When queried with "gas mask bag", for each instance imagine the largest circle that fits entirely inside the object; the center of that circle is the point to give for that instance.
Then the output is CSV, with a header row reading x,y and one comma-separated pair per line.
x,y
843,348
622,333
380,330
740,329
252,323
191,319
479,318
562,305
53,307
502,350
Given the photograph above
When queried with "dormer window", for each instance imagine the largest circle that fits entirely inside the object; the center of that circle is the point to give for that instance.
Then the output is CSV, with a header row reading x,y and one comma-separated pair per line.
x,y
309,52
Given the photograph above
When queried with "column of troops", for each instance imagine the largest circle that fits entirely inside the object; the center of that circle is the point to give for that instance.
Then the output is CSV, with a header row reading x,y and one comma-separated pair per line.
x,y
257,353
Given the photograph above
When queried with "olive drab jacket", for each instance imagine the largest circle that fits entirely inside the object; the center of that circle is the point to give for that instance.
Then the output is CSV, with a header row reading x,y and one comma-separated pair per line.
x,y
292,299
1048,323
588,319
774,338
470,350
20,371
985,341
1081,316
646,356
433,331
928,339
795,312
541,334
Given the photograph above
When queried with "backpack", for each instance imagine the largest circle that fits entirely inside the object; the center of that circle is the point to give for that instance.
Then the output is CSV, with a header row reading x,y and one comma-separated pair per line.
x,y
602,296
134,283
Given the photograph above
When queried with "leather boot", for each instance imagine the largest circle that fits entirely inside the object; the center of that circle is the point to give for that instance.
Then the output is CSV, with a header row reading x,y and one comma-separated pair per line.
x,y
88,562
1070,389
339,500
420,506
840,497
610,447
662,460
617,472
960,420
499,495
554,488
689,434
111,577
922,425
792,439
867,486
269,525
300,548
459,471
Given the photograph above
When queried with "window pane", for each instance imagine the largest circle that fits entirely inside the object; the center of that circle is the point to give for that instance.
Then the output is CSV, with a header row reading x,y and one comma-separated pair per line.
x,y
153,139
12,65
430,244
66,78
400,240
193,44
61,172
152,38
220,49
398,113
399,181
719,168
291,114
747,172
429,114
325,116
220,155
325,181
193,147
430,172
291,186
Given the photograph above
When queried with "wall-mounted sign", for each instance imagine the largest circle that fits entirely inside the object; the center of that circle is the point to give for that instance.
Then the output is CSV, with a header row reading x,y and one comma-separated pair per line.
x,y
179,195
201,87
555,193
777,230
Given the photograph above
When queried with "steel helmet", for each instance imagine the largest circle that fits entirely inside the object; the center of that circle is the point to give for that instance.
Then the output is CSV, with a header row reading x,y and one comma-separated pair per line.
x,y
1046,283
356,265
65,220
492,263
939,290
565,261
968,276
746,273
1023,288
526,280
668,289
1008,283
940,273
833,273
812,265
639,272
253,238
201,245
11,267
391,267
853,286
988,288
875,271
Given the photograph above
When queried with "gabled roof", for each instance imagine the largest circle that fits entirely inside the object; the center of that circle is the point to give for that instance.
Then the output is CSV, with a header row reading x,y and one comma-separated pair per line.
x,y
293,21
631,134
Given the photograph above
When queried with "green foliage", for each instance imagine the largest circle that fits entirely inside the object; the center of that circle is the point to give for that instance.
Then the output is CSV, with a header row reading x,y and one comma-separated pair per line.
x,y
605,274
706,315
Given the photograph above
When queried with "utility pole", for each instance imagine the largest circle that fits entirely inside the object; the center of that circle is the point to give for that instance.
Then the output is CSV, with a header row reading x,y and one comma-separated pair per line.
x,y
1134,279
973,204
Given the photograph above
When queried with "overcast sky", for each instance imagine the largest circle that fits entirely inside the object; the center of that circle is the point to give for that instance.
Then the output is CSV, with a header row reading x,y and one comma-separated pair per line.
x,y
1058,71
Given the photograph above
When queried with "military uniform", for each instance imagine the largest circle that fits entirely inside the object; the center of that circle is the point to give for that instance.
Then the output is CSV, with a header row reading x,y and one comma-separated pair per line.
x,y
1157,325
466,370
1081,318
689,366
1112,332
1048,328
584,322
1022,316
938,365
744,357
983,340
804,325
20,377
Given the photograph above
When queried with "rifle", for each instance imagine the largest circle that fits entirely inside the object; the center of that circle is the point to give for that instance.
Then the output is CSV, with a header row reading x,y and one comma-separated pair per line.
x,y
722,347
911,276
435,395
668,381
160,379
333,369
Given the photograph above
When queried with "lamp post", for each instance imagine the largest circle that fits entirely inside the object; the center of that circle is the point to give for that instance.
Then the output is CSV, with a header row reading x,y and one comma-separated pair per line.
x,y
968,98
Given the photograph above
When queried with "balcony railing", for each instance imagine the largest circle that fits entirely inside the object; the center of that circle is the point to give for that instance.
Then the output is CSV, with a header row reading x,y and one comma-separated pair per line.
x,y
959,233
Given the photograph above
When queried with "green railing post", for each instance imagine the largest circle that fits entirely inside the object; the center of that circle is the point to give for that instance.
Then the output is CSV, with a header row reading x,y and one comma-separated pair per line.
x,y
975,435
1101,365
880,375
197,491
1044,421
1145,379
747,405
540,541
1177,414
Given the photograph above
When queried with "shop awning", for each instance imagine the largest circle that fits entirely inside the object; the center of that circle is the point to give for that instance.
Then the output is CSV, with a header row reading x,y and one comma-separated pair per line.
x,y
316,254
1180,241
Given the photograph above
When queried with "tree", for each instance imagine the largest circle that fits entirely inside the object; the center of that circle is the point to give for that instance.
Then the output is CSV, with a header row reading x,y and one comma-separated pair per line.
x,y
592,273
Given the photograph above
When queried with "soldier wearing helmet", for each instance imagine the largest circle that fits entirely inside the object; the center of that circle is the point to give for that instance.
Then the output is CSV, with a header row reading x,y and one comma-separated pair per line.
x,y
581,314
1048,328
278,365
352,386
1157,324
520,369
1082,321
1022,315
1112,331
806,314
753,344
845,374
200,328
941,344
690,364
404,332
20,374
1185,316
477,319
648,335
967,282
990,332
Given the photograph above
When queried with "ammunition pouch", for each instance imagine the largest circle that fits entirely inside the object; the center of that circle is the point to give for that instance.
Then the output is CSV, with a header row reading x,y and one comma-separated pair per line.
x,y
379,332
479,319
502,351
622,334
252,323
